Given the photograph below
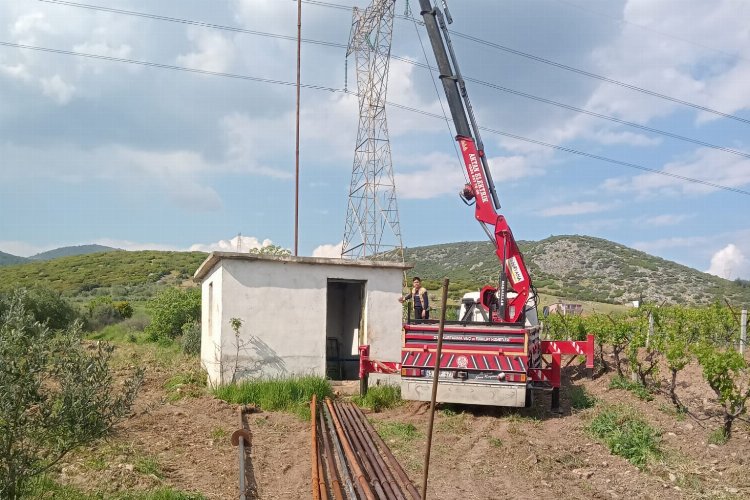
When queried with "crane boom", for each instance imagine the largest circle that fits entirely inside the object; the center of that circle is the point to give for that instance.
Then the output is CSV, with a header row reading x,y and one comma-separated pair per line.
x,y
505,306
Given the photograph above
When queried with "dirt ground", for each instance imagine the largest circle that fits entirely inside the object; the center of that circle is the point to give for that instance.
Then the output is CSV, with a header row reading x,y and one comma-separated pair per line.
x,y
477,452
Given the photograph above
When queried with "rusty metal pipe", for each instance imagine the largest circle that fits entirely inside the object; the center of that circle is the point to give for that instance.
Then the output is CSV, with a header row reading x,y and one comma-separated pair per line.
x,y
314,453
367,453
385,475
406,484
360,450
356,469
332,471
322,478
397,478
350,487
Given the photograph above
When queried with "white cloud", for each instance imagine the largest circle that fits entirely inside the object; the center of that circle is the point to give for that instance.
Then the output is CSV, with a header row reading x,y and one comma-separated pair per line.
x,y
729,263
710,165
439,174
665,220
57,89
214,52
236,244
668,243
436,180
28,26
132,245
329,251
18,71
22,249
103,49
576,208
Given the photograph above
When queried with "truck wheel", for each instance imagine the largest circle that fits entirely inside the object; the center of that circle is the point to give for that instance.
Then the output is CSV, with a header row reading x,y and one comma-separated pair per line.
x,y
529,398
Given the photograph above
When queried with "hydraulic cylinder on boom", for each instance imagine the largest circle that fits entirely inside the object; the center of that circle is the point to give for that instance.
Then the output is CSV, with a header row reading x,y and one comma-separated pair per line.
x,y
506,306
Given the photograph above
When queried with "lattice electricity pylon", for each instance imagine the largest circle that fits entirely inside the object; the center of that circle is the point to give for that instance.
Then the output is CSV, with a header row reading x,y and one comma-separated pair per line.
x,y
372,226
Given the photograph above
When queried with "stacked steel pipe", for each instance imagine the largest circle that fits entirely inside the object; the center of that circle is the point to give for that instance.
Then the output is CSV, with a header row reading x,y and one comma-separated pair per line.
x,y
350,460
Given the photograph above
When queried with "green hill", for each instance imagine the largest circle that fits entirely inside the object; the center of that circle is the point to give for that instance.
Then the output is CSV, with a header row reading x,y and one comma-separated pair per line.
x,y
74,250
7,259
576,268
582,268
134,274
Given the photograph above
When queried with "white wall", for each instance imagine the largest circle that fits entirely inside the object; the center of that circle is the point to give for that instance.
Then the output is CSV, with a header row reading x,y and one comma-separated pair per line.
x,y
211,323
283,308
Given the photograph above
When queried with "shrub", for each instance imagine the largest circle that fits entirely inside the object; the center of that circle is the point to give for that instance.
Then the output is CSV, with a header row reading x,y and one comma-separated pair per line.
x,y
57,395
171,309
103,311
46,306
191,338
123,308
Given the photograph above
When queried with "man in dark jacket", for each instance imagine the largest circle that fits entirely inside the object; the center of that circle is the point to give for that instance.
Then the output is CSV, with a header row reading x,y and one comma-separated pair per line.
x,y
421,301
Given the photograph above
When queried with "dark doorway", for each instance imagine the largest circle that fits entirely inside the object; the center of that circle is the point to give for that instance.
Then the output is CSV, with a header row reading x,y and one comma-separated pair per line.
x,y
345,303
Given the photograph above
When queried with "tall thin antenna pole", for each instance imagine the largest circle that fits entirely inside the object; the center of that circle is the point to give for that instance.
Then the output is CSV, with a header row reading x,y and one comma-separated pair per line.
x,y
296,153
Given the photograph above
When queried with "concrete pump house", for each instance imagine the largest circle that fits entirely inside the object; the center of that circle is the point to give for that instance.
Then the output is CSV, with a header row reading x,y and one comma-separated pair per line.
x,y
299,315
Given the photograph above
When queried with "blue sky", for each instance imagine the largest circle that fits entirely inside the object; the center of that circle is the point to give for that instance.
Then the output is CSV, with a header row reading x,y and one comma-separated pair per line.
x,y
141,157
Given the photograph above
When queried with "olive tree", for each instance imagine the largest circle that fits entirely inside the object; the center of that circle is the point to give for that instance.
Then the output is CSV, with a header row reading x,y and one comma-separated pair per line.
x,y
58,393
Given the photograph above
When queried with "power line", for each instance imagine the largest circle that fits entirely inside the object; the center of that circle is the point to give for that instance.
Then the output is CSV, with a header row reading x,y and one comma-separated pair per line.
x,y
167,66
191,22
572,69
598,77
398,58
395,105
583,153
583,111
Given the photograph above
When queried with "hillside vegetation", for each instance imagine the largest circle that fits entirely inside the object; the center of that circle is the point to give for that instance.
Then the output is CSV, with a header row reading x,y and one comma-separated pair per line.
x,y
73,250
124,274
7,259
579,268
582,268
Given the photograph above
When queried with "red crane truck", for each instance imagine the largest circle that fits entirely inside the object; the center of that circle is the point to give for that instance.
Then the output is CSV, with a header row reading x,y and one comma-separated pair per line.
x,y
493,355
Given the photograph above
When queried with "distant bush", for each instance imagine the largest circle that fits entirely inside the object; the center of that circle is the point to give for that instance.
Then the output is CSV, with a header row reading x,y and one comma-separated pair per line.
x,y
103,311
170,310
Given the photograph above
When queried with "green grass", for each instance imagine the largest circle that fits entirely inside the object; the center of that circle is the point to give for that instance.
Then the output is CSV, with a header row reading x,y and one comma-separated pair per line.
x,y
291,395
397,430
397,435
45,487
718,437
580,399
496,442
190,384
636,388
219,433
627,435
148,466
380,397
